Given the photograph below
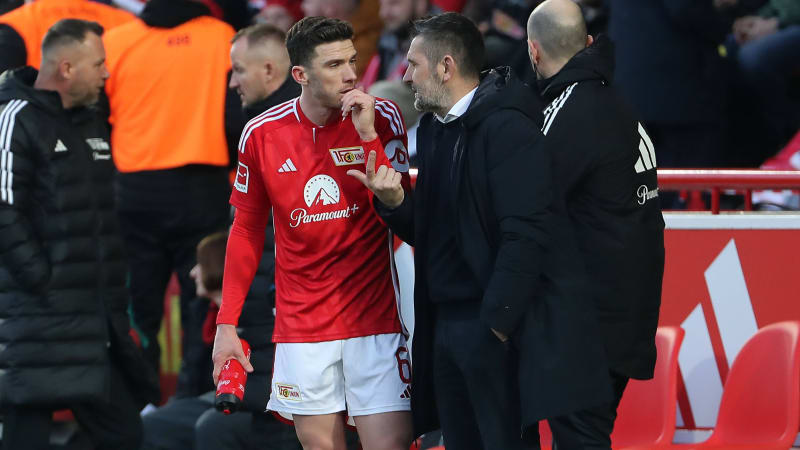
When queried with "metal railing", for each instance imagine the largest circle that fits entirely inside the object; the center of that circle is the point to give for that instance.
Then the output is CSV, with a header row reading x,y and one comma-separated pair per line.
x,y
717,181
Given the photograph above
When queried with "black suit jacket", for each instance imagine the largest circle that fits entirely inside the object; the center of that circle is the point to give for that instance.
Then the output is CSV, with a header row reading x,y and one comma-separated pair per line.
x,y
516,240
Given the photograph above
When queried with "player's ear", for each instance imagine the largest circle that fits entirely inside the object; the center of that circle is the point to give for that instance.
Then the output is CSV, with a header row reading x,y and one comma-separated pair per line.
x,y
300,75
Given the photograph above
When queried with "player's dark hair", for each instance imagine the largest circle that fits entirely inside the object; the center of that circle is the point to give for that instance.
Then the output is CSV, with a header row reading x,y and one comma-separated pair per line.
x,y
69,31
304,37
455,35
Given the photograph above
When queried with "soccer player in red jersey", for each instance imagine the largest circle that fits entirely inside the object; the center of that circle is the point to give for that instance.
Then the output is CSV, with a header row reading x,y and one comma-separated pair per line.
x,y
339,341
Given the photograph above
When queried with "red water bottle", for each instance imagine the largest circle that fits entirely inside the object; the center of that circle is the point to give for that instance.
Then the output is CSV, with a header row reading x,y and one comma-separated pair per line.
x,y
230,387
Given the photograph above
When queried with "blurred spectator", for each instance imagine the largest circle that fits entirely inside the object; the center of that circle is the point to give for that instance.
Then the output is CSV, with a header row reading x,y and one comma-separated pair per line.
x,y
12,49
261,69
455,5
787,159
362,15
167,95
260,75
63,302
595,13
669,68
8,5
32,20
280,13
768,55
502,23
193,422
389,63
235,12
132,6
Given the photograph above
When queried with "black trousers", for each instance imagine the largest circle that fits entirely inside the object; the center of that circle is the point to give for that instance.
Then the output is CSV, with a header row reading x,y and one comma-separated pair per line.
x,y
590,428
475,379
158,243
115,425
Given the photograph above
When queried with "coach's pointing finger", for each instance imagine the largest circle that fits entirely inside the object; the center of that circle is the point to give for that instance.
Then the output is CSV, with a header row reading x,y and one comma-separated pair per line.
x,y
384,183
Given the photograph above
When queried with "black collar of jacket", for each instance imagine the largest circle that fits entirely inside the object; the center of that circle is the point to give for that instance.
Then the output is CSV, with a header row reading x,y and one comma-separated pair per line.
x,y
287,91
18,84
595,62
501,89
171,13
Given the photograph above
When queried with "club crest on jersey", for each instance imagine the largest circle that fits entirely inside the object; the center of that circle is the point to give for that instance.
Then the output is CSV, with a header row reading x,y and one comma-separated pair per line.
x,y
347,156
287,391
242,178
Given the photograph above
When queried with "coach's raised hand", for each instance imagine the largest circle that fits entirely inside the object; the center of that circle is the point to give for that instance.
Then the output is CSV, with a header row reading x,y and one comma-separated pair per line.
x,y
362,108
385,182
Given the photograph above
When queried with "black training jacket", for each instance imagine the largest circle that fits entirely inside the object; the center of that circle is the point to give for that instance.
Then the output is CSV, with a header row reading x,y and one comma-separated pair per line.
x,y
63,298
605,171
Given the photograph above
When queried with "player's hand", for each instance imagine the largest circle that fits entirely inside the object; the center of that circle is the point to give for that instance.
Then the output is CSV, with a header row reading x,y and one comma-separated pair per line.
x,y
362,108
227,346
385,182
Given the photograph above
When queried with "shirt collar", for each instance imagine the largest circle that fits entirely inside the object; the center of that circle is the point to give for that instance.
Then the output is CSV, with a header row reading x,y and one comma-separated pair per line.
x,y
459,108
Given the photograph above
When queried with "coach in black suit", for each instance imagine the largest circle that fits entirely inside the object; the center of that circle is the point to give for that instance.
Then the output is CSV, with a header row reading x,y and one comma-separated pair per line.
x,y
502,322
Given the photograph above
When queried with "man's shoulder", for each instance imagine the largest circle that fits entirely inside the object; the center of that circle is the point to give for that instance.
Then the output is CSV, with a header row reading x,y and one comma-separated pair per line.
x,y
388,118
589,95
269,121
14,111
589,105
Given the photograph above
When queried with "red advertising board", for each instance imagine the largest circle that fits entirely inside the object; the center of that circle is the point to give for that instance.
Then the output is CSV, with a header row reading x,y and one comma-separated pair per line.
x,y
726,276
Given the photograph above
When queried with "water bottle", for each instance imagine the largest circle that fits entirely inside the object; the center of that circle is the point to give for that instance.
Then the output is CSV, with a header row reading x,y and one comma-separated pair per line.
x,y
232,379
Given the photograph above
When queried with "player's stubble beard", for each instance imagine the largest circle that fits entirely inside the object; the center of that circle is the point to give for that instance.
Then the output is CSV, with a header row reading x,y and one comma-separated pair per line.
x,y
331,100
431,96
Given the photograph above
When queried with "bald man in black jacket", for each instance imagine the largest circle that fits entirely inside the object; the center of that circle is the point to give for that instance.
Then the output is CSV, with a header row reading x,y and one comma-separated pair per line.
x,y
605,172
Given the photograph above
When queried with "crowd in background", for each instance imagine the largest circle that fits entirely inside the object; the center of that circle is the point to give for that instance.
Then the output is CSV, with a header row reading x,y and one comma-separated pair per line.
x,y
716,82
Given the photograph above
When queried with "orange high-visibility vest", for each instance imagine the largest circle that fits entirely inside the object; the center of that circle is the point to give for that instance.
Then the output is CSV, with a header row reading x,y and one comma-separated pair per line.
x,y
167,94
33,20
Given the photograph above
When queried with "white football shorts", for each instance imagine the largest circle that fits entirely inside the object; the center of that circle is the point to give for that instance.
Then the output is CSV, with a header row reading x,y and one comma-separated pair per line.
x,y
362,375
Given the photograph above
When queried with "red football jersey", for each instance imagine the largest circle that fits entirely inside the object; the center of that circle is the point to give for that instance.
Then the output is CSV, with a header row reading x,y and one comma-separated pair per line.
x,y
333,270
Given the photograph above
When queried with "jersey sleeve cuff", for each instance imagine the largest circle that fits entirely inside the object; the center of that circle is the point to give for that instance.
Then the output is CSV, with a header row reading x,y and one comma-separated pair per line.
x,y
226,318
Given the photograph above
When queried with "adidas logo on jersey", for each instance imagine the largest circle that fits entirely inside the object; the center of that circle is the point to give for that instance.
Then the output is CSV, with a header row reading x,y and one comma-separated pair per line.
x,y
287,166
60,147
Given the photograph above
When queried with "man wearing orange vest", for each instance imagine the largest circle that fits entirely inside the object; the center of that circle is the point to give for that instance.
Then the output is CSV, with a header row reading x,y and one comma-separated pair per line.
x,y
31,21
167,96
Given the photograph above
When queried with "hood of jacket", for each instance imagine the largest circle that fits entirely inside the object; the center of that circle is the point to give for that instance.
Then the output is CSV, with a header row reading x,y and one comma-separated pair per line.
x,y
18,84
171,13
595,62
500,89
